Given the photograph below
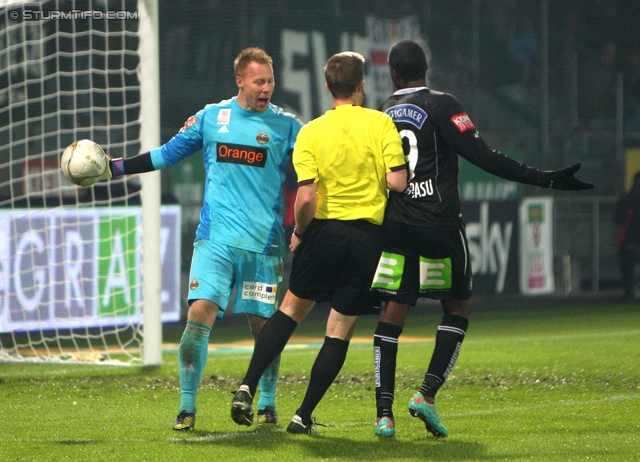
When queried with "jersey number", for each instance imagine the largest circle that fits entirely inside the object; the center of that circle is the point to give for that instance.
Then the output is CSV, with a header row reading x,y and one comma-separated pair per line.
x,y
412,158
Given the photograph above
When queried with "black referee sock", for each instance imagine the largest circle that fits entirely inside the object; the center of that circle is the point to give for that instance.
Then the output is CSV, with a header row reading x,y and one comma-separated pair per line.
x,y
275,334
451,332
385,350
324,371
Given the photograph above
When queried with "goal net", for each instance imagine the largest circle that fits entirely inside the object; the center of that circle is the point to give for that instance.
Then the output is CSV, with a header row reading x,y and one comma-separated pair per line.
x,y
72,260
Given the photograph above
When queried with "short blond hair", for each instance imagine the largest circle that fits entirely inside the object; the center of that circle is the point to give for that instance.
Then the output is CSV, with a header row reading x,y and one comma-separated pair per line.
x,y
248,56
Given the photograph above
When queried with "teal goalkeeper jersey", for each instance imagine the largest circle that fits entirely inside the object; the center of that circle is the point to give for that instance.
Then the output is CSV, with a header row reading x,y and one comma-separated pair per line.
x,y
246,154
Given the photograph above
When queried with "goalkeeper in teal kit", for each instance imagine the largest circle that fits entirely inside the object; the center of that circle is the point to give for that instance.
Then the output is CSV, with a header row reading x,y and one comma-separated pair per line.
x,y
247,144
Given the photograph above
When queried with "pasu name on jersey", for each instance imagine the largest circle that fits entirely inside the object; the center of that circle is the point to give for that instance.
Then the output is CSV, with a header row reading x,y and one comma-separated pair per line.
x,y
420,189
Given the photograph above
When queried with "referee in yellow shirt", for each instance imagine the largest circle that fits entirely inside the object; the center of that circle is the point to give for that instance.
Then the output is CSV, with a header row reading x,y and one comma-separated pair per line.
x,y
345,160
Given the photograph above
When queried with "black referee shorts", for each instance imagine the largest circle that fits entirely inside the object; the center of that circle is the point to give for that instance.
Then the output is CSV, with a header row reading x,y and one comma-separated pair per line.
x,y
335,262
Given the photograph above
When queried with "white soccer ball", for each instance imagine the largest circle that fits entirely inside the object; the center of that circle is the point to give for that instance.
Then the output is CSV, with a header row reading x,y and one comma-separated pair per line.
x,y
83,160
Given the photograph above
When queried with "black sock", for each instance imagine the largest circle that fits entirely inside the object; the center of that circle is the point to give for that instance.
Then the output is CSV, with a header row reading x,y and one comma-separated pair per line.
x,y
451,332
275,334
324,371
385,350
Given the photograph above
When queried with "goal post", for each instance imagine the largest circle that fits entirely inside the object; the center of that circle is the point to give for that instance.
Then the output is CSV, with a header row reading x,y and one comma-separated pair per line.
x,y
149,139
86,275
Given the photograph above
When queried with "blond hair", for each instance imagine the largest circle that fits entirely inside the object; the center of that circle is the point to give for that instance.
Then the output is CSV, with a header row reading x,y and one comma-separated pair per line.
x,y
248,56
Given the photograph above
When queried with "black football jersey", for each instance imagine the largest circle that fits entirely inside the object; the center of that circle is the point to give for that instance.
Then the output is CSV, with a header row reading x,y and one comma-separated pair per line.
x,y
436,129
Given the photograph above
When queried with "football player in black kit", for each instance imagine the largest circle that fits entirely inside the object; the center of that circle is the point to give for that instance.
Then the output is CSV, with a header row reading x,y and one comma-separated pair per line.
x,y
425,245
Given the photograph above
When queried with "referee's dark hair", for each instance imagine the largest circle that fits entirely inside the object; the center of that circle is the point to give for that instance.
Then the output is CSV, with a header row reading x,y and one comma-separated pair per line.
x,y
408,59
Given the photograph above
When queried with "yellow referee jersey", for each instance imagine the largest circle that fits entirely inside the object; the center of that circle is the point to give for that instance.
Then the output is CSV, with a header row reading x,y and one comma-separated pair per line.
x,y
348,151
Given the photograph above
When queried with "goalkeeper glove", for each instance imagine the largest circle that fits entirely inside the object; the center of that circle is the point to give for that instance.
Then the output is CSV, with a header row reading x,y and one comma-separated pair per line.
x,y
564,180
105,175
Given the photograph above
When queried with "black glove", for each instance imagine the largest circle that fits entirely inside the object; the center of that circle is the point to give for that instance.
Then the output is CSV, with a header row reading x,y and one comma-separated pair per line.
x,y
564,180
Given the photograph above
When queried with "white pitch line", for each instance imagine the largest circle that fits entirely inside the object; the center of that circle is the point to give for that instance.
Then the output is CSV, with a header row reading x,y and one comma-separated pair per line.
x,y
198,439
218,437
235,435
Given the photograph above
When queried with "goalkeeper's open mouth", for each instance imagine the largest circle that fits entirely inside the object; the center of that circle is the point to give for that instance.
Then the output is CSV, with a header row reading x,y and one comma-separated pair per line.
x,y
262,103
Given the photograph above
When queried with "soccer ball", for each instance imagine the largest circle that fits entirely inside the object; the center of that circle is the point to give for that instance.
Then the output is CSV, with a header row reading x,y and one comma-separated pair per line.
x,y
83,160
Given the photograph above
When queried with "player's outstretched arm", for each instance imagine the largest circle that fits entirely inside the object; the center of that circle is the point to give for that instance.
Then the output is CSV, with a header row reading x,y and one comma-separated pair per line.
x,y
565,180
459,132
85,163
503,166
118,167
98,166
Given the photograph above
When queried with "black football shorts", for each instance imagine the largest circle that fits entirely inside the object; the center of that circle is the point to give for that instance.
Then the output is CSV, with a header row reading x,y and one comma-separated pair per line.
x,y
423,262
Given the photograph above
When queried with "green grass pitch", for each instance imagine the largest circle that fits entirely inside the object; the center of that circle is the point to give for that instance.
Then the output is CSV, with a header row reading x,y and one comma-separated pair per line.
x,y
551,382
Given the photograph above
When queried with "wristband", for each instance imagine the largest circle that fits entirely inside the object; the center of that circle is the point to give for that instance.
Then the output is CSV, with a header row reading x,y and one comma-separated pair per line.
x,y
295,233
117,166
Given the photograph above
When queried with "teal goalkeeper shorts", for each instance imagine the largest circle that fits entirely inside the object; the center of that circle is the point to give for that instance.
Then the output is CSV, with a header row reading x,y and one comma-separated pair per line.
x,y
217,268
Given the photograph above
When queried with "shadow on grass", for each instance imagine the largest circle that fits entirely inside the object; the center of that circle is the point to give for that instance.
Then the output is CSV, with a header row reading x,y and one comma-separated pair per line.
x,y
327,447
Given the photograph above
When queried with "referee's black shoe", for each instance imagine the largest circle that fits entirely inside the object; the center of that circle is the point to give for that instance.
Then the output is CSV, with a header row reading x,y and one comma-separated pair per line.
x,y
297,427
241,410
